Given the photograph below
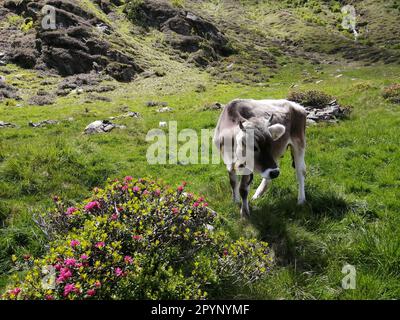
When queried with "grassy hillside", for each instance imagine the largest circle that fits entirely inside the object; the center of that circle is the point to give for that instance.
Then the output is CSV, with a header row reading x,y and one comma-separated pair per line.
x,y
353,180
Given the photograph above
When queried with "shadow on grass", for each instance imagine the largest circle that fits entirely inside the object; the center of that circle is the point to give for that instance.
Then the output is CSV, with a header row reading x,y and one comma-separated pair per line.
x,y
293,231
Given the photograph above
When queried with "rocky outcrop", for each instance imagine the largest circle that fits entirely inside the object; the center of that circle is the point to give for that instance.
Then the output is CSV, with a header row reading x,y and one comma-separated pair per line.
x,y
78,44
185,31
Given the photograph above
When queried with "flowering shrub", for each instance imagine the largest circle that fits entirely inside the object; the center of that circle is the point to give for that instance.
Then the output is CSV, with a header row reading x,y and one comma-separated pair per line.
x,y
138,239
392,93
312,98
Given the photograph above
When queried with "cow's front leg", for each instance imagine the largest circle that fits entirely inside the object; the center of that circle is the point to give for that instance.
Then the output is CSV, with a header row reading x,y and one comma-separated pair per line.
x,y
244,192
233,180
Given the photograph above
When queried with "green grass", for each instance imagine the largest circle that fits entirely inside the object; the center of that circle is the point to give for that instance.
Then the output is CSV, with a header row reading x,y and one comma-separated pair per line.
x,y
353,180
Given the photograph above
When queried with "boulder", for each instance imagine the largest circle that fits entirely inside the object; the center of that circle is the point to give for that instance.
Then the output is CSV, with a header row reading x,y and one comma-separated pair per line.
x,y
42,123
7,125
101,126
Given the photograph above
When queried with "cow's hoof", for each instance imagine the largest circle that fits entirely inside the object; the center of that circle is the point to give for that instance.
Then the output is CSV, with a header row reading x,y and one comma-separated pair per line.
x,y
244,214
301,202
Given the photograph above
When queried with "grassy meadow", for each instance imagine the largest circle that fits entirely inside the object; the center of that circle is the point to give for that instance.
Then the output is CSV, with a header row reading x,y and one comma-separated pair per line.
x,y
352,183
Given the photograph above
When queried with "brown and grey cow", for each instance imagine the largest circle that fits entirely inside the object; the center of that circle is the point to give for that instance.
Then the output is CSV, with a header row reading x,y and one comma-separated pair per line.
x,y
268,127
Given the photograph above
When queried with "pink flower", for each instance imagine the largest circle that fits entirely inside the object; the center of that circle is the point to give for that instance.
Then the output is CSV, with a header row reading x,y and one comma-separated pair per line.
x,y
225,252
145,192
49,297
97,284
137,237
205,204
57,267
175,210
124,187
65,274
114,217
70,287
201,199
128,178
71,210
70,262
100,245
180,188
196,204
91,292
119,272
92,205
74,243
157,192
135,189
15,291
128,259
84,257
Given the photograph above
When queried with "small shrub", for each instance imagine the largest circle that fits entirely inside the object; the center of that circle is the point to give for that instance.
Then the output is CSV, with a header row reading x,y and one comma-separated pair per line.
x,y
138,239
392,93
313,98
27,25
178,3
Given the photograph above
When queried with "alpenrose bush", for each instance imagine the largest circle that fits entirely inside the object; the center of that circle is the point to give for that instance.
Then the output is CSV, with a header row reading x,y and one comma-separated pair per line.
x,y
392,93
138,239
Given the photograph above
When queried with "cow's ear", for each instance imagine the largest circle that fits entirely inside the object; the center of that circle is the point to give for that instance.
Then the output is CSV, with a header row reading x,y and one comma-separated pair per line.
x,y
276,131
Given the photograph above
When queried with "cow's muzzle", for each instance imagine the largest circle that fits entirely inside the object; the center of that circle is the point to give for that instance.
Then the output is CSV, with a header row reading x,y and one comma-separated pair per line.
x,y
271,173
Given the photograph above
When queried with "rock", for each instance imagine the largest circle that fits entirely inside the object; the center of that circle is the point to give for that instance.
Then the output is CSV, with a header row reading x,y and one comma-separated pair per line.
x,y
184,30
75,46
165,109
42,123
311,122
156,104
130,114
101,126
7,125
214,106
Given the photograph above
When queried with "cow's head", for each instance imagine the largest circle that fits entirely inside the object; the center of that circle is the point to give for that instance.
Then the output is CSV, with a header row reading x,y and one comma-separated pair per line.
x,y
255,139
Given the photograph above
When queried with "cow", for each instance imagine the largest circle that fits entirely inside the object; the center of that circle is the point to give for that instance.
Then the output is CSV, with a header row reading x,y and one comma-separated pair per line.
x,y
271,126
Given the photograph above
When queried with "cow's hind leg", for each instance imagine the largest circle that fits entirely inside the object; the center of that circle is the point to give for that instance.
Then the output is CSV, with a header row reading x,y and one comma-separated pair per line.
x,y
233,180
244,192
261,188
298,152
